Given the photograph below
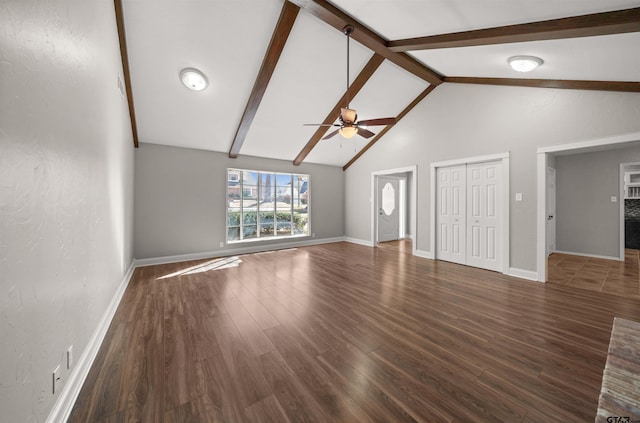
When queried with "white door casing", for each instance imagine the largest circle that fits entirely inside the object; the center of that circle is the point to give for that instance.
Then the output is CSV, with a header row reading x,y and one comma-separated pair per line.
x,y
451,212
388,210
551,210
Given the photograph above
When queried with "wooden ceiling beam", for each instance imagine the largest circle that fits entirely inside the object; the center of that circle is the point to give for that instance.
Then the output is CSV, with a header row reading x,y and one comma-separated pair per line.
x,y
550,83
276,45
125,69
362,78
402,114
337,18
607,23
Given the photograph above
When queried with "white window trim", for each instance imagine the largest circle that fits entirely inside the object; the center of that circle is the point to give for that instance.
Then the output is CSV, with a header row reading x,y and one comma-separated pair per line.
x,y
258,238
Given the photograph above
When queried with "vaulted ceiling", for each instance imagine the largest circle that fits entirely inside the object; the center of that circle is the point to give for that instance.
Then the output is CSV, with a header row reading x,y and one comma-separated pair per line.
x,y
274,65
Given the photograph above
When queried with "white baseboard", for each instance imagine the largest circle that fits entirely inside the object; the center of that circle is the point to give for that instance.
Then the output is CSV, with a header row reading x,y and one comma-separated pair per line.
x,y
359,241
409,236
65,402
589,255
523,274
253,248
423,254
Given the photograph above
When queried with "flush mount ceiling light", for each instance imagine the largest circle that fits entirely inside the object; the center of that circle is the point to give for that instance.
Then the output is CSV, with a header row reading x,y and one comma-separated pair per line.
x,y
525,63
193,79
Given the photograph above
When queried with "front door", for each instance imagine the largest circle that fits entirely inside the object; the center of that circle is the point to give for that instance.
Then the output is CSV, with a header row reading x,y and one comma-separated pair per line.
x,y
388,215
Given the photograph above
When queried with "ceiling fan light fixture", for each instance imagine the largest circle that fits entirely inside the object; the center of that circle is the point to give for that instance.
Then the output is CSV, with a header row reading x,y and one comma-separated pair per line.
x,y
193,79
348,115
348,131
524,63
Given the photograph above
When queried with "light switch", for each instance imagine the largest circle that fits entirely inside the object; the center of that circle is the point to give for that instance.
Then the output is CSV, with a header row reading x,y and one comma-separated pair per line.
x,y
518,196
614,199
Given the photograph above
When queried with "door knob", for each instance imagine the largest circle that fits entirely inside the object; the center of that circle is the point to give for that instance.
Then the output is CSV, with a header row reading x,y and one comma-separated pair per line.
x,y
381,212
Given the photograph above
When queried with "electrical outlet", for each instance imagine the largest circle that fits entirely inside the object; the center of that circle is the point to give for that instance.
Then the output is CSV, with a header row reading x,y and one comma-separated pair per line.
x,y
221,244
313,235
55,379
69,357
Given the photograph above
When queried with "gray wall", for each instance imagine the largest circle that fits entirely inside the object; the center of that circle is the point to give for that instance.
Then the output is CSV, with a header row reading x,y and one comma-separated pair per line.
x,y
462,120
66,191
181,192
587,221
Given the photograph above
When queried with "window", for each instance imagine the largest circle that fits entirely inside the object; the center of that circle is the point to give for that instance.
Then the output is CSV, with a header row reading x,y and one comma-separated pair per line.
x,y
262,205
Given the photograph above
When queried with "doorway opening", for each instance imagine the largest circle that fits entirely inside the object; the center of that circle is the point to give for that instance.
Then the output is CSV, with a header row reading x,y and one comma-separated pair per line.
x,y
393,211
630,209
546,158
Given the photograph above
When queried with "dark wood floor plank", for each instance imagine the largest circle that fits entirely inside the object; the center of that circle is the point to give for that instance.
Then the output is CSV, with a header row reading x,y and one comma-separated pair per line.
x,y
100,403
248,328
237,369
199,410
144,392
184,373
268,410
342,332
314,378
403,392
373,400
465,399
260,314
297,401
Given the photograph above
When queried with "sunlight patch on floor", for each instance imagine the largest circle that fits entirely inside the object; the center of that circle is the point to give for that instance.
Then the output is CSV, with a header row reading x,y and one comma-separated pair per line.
x,y
215,264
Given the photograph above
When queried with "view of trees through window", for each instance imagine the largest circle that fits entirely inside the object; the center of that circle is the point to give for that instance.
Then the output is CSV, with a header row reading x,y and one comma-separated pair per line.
x,y
266,204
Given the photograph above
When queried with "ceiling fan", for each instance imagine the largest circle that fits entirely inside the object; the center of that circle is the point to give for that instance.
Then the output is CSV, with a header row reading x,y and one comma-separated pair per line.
x,y
349,125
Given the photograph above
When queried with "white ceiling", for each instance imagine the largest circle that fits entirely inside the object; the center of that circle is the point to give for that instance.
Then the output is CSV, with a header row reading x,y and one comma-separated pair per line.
x,y
227,40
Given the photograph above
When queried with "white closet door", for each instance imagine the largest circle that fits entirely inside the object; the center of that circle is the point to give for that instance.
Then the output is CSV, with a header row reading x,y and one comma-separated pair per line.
x,y
451,211
484,205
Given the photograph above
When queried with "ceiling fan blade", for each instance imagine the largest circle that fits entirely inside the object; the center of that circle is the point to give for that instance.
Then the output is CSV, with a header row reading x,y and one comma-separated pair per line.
x,y
365,133
320,124
331,134
380,121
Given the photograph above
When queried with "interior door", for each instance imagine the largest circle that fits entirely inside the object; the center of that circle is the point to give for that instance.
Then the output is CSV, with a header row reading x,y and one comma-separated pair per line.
x,y
551,210
388,214
484,203
451,212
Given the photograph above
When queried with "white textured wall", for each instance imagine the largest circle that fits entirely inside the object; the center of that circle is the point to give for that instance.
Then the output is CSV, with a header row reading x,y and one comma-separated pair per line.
x,y
457,121
66,190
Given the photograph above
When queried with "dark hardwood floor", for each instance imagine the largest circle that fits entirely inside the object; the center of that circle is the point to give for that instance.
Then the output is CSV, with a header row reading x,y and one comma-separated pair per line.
x,y
346,333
